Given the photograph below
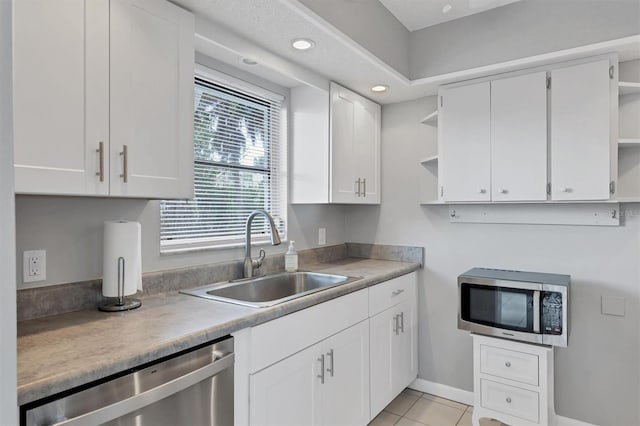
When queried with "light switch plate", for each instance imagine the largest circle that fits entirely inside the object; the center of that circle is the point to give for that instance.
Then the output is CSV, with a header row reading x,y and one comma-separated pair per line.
x,y
613,305
322,236
34,266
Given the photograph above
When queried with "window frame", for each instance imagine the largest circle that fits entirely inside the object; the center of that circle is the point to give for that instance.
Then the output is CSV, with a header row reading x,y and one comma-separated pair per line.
x,y
280,169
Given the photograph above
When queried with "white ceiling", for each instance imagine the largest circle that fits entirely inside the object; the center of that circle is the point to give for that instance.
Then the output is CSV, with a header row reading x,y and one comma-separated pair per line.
x,y
229,30
418,14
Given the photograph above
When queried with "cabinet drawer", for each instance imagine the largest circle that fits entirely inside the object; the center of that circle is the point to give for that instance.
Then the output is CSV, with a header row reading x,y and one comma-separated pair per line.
x,y
392,292
510,400
512,365
304,328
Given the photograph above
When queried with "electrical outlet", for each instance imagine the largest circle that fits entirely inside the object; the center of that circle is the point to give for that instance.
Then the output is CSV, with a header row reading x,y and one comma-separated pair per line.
x,y
34,266
322,236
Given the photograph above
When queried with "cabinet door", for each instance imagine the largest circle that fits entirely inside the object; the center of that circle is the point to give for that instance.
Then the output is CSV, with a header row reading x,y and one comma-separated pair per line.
x,y
519,138
342,175
286,393
394,353
367,150
151,60
464,141
405,349
580,132
60,81
344,397
383,335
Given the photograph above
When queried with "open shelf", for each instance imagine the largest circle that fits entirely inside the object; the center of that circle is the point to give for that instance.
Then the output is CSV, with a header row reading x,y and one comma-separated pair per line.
x,y
628,142
431,159
628,88
431,119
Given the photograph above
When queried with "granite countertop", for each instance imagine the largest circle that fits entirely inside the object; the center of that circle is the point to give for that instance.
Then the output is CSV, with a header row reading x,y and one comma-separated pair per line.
x,y
61,352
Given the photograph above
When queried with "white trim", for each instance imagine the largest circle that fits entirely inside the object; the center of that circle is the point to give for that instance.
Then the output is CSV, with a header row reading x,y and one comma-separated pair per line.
x,y
466,397
443,391
222,78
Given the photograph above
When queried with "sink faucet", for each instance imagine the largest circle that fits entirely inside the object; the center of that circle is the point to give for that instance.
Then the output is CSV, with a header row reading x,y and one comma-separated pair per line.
x,y
249,263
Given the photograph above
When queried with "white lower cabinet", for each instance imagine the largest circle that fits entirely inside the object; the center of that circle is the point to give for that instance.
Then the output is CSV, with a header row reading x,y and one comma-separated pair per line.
x,y
326,384
513,382
336,363
394,339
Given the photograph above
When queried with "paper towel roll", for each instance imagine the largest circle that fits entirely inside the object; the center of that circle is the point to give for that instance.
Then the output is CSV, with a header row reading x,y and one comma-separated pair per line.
x,y
121,239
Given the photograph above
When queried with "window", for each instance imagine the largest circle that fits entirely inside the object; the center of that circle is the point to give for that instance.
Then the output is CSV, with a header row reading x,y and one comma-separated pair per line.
x,y
238,153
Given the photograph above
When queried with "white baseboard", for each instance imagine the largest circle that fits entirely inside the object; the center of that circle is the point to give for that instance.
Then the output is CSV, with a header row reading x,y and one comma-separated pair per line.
x,y
466,397
443,391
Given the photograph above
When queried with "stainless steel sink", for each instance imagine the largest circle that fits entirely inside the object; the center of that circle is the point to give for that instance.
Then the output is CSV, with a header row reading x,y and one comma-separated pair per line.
x,y
269,290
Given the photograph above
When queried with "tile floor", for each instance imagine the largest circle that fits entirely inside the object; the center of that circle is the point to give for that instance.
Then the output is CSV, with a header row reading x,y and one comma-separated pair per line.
x,y
413,408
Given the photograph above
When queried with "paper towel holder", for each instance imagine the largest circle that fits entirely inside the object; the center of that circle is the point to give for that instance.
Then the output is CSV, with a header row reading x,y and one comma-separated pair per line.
x,y
120,303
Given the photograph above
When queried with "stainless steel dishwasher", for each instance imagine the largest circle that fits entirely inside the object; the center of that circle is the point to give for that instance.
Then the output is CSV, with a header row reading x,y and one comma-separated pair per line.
x,y
192,389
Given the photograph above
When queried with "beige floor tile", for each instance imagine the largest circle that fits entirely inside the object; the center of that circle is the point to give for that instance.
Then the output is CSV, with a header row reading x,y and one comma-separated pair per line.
x,y
413,392
385,419
408,422
434,413
465,420
401,404
470,409
448,402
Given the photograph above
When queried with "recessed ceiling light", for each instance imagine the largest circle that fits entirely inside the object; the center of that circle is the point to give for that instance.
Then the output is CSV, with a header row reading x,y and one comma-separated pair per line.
x,y
447,8
302,44
379,88
249,61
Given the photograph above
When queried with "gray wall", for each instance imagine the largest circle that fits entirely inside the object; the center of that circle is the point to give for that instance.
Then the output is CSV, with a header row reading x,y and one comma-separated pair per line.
x,y
363,21
518,30
70,228
597,376
8,398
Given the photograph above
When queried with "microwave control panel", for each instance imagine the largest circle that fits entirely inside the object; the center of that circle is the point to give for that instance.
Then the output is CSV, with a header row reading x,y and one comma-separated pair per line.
x,y
551,313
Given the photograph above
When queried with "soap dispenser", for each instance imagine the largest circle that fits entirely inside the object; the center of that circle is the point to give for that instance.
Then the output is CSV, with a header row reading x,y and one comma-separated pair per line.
x,y
291,259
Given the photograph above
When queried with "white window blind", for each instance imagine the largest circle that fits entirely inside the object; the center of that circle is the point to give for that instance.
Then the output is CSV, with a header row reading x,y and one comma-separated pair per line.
x,y
239,167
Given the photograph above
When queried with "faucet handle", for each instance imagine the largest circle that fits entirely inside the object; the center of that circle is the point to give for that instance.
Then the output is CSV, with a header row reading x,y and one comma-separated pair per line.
x,y
258,262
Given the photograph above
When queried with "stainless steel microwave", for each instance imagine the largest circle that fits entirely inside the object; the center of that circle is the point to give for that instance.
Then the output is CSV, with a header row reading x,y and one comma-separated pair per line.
x,y
526,306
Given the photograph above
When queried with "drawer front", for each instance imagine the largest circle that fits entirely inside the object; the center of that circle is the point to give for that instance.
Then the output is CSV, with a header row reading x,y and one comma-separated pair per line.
x,y
305,328
510,400
385,295
512,365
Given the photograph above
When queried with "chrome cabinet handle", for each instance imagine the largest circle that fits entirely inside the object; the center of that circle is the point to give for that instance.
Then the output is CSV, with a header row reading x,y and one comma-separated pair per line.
x,y
508,400
507,364
402,322
100,151
503,191
364,187
125,163
482,191
321,375
358,190
118,409
565,190
396,325
397,292
330,369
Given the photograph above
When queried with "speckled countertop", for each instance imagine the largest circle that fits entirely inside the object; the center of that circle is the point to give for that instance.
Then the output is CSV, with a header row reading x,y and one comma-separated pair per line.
x,y
61,352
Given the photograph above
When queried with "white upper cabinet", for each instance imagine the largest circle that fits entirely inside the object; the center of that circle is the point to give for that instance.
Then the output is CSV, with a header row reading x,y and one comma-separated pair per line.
x,y
464,143
151,109
519,138
61,96
335,147
125,79
581,132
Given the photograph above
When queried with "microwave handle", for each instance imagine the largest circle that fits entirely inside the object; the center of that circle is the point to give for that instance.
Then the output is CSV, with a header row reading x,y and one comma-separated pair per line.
x,y
536,311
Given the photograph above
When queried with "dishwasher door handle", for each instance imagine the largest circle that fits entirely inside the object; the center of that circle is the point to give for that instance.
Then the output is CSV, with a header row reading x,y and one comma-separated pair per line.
x,y
121,408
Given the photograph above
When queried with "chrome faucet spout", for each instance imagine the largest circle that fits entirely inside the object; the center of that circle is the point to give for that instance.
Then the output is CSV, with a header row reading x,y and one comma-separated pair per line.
x,y
249,263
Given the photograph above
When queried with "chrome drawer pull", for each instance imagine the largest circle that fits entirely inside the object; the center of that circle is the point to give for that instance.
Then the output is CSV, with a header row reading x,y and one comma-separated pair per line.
x,y
507,364
397,292
508,400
